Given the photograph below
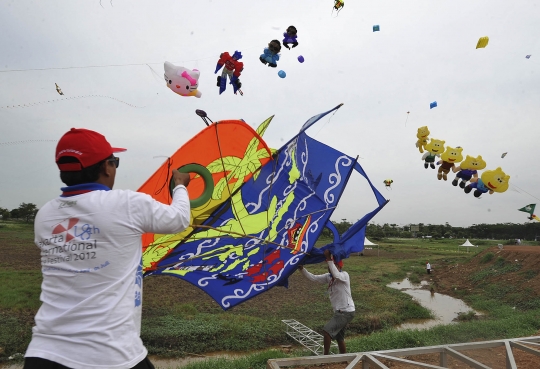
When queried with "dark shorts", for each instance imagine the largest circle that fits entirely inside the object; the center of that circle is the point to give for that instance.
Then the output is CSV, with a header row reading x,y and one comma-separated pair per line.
x,y
39,363
464,176
336,326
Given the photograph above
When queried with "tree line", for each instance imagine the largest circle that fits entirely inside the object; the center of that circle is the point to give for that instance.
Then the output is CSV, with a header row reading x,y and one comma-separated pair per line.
x,y
25,211
501,231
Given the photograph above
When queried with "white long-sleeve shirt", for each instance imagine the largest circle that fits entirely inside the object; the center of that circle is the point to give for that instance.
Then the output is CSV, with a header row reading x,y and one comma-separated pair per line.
x,y
91,252
339,288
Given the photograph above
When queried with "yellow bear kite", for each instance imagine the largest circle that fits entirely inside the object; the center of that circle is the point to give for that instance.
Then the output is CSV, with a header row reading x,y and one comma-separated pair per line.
x,y
491,181
468,169
434,148
449,158
422,135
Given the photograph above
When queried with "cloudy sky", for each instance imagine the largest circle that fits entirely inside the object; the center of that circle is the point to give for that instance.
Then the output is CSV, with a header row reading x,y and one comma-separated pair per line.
x,y
488,99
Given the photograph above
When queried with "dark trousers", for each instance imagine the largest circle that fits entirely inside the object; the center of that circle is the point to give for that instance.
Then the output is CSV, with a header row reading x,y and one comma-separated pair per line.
x,y
39,363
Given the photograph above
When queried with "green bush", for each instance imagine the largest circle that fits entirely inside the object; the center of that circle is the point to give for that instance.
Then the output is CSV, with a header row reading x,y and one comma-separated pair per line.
x,y
465,317
487,258
529,274
414,278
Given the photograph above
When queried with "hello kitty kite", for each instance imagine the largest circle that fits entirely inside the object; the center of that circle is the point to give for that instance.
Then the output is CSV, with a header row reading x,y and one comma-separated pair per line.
x,y
181,80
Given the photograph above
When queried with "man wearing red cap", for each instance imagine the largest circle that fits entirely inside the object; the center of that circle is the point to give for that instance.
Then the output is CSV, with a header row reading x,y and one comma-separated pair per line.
x,y
339,291
91,257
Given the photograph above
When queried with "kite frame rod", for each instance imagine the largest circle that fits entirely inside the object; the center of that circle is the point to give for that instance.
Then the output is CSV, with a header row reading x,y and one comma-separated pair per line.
x,y
370,359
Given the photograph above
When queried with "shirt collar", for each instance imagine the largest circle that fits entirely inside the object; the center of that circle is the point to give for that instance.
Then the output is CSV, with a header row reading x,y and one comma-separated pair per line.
x,y
82,188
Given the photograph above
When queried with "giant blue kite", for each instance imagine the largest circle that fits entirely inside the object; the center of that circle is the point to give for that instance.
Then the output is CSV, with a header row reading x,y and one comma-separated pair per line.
x,y
256,212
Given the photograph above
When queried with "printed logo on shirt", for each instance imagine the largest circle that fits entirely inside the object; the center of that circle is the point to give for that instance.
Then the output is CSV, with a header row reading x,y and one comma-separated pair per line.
x,y
73,230
67,204
71,240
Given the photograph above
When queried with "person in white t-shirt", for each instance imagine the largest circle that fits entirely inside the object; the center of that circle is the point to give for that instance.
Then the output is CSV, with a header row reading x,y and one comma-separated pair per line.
x,y
91,257
339,291
428,267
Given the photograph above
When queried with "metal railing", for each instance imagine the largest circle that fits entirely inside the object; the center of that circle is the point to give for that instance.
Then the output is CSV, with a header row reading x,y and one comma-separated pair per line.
x,y
372,359
307,337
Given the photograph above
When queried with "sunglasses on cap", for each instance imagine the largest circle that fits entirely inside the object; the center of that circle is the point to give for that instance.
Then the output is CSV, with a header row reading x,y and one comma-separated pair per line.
x,y
115,160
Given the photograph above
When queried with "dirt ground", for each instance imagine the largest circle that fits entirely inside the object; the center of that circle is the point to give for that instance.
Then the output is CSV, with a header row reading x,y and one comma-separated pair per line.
x,y
449,278
494,358
12,257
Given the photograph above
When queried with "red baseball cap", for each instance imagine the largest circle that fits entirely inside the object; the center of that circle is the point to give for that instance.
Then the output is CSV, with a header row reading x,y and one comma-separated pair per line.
x,y
339,263
88,147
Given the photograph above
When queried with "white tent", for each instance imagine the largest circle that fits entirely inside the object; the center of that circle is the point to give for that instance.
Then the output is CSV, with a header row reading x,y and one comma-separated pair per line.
x,y
369,243
467,244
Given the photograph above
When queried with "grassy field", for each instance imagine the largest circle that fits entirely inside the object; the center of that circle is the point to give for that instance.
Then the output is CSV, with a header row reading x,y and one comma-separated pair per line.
x,y
179,319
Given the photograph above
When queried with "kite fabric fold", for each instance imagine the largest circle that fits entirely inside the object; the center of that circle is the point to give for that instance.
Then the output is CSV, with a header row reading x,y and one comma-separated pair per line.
x,y
267,225
352,240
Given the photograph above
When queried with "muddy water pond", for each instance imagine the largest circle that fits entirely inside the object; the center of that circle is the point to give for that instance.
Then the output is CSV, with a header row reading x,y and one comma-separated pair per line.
x,y
445,309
